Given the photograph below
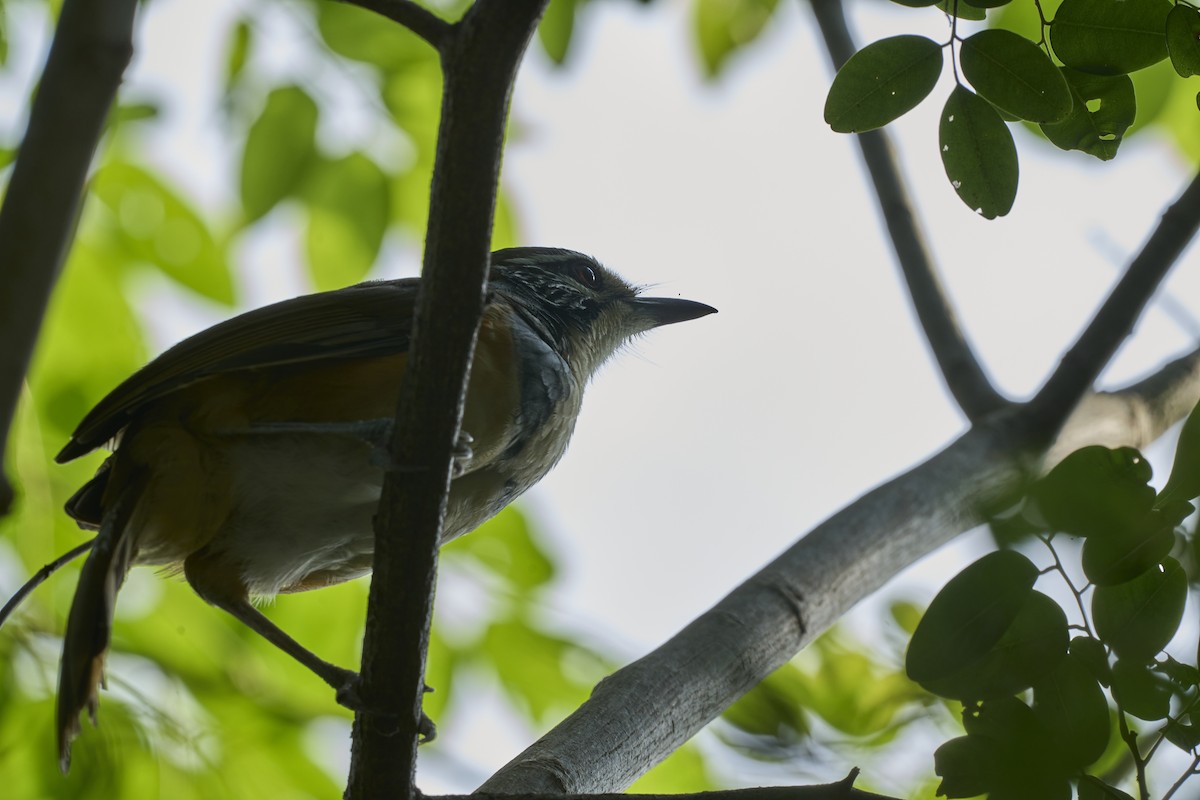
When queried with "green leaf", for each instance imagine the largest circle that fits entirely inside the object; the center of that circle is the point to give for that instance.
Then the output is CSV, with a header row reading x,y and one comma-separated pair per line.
x,y
723,26
967,766
1028,764
158,227
1096,491
1183,735
1105,107
853,693
881,82
348,215
1091,654
1109,560
773,708
358,34
987,3
969,615
1182,675
533,667
1013,73
280,147
1140,691
1184,483
915,3
1183,40
1072,706
1110,37
978,154
239,52
1031,647
554,31
1138,618
962,10
509,548
1092,788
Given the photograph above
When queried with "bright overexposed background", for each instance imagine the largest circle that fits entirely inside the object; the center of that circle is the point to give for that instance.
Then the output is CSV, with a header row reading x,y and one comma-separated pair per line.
x,y
711,446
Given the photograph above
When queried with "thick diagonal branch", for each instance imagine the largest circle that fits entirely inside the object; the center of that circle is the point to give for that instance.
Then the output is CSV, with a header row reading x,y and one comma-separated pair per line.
x,y
961,370
642,713
92,46
480,57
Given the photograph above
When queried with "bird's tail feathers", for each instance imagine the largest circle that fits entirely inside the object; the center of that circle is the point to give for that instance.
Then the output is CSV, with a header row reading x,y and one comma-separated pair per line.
x,y
89,626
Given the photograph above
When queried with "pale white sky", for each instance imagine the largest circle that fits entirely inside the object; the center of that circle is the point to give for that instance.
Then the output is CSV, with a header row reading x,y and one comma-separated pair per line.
x,y
715,444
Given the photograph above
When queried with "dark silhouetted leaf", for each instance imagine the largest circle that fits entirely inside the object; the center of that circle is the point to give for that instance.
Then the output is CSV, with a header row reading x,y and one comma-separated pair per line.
x,y
978,154
1121,557
1092,788
1137,619
1105,107
723,26
1092,655
962,10
1184,676
881,82
1071,705
1014,74
280,146
915,3
970,615
1027,762
967,766
1031,647
1184,735
1096,491
1183,40
1110,37
1140,691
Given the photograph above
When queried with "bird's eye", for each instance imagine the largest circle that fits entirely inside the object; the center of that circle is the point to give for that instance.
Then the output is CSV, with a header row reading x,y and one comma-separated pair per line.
x,y
586,275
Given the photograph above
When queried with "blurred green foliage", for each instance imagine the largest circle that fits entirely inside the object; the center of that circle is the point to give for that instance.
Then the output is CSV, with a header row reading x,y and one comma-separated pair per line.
x,y
199,707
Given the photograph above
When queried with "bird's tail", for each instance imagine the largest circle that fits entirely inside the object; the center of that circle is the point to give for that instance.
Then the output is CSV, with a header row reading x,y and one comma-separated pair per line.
x,y
89,626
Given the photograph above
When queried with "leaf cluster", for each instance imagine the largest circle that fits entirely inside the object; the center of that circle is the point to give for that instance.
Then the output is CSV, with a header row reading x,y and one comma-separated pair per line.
x,y
1045,702
1070,79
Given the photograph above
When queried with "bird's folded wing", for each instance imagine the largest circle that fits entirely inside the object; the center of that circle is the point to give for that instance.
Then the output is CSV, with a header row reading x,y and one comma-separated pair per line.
x,y
370,319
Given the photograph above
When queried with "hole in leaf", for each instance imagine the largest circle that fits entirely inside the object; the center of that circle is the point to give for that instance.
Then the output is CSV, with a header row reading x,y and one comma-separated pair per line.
x,y
1093,105
1107,137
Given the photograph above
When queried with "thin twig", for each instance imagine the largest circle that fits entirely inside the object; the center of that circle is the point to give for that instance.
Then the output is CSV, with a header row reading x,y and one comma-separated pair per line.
x,y
961,370
1194,769
40,577
418,19
1095,347
92,46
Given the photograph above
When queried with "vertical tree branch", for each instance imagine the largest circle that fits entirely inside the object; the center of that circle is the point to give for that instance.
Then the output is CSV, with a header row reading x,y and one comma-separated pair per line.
x,y
961,370
92,46
480,56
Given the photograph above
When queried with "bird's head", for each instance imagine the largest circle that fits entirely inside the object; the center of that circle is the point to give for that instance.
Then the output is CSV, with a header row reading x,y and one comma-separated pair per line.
x,y
584,311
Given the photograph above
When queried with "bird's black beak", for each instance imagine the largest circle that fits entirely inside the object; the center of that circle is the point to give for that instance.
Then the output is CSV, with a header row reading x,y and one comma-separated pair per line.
x,y
668,310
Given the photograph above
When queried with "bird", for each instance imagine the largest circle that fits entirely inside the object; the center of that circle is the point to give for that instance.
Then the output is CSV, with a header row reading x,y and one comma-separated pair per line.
x,y
248,456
